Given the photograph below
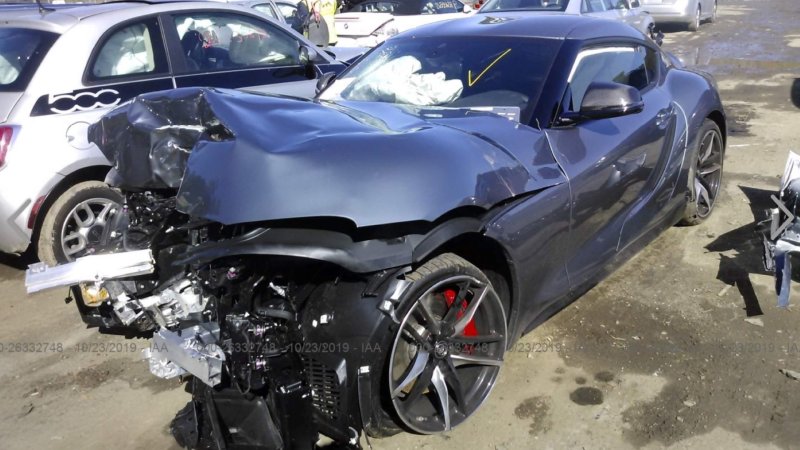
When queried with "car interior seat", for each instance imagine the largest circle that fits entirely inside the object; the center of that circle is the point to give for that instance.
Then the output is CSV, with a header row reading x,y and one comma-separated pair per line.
x,y
192,44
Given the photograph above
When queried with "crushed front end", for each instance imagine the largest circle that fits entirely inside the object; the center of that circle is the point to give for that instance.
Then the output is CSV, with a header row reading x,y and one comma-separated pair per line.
x,y
276,349
274,326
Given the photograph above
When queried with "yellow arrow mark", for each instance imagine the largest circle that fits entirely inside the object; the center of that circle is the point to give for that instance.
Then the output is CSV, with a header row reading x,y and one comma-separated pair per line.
x,y
470,81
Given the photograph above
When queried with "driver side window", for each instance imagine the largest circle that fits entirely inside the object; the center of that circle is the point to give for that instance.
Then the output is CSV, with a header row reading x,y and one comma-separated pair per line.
x,y
218,41
625,65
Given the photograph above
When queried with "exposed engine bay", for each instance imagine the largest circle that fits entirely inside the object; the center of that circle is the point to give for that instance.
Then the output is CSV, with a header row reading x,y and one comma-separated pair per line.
x,y
252,331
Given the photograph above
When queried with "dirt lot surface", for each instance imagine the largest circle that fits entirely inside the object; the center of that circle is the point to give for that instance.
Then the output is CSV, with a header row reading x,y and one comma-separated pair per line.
x,y
659,355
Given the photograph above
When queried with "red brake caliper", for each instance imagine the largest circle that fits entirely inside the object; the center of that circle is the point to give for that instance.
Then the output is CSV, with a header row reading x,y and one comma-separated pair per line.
x,y
449,298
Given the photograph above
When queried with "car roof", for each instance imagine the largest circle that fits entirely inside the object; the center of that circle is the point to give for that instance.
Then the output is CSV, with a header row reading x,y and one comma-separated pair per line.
x,y
527,25
60,19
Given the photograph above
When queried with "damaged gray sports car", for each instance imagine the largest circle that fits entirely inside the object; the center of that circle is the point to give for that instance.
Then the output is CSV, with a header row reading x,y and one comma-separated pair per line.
x,y
362,261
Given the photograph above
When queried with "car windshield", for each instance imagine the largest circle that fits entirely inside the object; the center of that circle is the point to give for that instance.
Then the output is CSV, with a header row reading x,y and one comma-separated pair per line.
x,y
409,7
21,51
451,72
527,5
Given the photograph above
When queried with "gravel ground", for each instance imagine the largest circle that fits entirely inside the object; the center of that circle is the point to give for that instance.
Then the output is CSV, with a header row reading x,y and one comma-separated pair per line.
x,y
682,347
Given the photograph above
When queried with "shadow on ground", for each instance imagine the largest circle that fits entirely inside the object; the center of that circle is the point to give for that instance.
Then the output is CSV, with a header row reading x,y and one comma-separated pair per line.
x,y
677,27
745,241
18,262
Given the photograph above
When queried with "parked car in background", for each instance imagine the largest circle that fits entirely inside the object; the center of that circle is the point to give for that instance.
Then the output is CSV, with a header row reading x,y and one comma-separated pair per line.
x,y
368,23
285,11
267,7
628,11
287,8
61,69
690,13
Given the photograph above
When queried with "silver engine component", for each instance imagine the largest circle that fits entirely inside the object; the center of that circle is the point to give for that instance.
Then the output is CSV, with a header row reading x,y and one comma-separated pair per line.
x,y
166,308
93,268
194,350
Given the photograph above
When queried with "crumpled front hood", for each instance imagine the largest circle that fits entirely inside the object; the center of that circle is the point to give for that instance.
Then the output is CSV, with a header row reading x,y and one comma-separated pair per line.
x,y
237,157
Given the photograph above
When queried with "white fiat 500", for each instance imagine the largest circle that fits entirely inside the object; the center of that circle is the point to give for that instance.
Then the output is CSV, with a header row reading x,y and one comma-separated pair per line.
x,y
61,69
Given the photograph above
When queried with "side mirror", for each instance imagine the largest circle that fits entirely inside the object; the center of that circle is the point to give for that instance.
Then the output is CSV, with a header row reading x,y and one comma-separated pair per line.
x,y
325,80
635,4
604,100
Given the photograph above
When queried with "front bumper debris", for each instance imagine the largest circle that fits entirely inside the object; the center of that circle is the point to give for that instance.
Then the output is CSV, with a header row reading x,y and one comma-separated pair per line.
x,y
93,268
194,350
780,232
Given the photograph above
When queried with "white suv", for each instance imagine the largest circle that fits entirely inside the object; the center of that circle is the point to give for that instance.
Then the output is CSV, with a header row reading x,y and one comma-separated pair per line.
x,y
61,69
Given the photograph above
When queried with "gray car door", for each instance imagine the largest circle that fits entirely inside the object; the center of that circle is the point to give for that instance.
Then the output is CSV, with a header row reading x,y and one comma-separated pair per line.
x,y
611,163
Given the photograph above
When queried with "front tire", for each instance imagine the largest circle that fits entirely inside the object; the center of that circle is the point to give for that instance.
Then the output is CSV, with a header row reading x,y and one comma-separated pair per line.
x,y
77,222
449,346
705,174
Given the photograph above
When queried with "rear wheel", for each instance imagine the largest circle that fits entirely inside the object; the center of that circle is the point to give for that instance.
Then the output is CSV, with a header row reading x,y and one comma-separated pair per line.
x,y
448,349
713,17
77,224
705,173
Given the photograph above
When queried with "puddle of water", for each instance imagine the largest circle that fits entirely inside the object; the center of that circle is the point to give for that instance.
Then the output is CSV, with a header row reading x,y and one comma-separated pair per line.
x,y
739,117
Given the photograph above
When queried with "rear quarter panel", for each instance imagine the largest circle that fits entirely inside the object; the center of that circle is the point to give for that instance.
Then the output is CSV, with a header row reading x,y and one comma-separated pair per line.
x,y
697,96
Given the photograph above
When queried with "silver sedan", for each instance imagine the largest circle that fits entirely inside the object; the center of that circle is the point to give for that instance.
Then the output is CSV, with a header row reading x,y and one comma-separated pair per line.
x,y
628,11
688,12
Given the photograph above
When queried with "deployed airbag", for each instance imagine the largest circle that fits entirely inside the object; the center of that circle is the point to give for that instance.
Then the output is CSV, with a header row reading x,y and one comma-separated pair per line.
x,y
399,81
